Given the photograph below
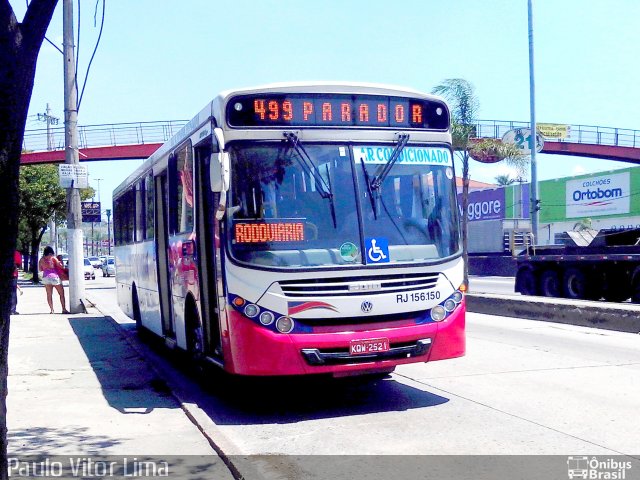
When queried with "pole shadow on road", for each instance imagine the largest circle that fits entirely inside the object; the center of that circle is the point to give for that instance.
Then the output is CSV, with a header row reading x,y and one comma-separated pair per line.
x,y
128,384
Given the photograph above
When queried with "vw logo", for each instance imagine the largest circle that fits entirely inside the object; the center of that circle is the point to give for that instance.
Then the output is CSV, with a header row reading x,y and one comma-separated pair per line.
x,y
366,307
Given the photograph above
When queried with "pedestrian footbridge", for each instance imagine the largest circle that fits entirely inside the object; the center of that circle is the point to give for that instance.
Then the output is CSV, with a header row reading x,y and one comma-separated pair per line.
x,y
122,141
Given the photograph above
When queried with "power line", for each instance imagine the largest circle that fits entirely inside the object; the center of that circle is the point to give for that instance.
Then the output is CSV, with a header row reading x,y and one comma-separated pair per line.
x,y
50,120
86,77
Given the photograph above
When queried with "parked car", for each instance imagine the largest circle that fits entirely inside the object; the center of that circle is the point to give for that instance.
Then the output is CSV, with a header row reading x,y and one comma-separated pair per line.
x,y
95,262
109,267
89,271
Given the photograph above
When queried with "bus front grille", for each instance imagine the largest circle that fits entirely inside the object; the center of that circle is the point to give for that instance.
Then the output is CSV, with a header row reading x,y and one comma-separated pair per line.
x,y
351,286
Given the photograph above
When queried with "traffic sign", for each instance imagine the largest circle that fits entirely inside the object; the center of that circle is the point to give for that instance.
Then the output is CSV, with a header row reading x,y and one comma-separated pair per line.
x,y
73,176
91,212
554,130
521,137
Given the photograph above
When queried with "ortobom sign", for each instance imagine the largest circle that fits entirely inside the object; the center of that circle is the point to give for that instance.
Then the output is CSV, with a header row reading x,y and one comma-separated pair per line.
x,y
601,195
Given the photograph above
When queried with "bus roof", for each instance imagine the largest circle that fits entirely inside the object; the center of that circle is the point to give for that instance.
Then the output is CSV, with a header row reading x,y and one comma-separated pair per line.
x,y
331,87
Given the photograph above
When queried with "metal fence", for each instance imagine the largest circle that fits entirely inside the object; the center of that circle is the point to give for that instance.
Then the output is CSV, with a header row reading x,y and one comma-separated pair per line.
x,y
590,134
160,132
103,135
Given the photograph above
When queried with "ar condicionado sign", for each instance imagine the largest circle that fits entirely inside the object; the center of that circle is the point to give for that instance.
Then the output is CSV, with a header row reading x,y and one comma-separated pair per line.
x,y
262,232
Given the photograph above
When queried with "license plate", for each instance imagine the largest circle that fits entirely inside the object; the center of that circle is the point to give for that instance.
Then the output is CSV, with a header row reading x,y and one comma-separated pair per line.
x,y
368,346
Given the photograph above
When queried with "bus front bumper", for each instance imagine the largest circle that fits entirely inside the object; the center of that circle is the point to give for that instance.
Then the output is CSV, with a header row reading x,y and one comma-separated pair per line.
x,y
258,351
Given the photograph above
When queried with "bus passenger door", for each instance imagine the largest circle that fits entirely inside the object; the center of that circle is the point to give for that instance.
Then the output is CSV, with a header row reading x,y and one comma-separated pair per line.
x,y
208,250
162,245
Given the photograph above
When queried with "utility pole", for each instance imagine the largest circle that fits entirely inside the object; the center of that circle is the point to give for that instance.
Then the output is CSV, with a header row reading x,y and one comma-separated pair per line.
x,y
46,117
534,133
74,213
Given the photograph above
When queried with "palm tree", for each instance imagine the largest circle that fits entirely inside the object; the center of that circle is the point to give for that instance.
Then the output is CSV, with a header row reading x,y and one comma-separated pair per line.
x,y
464,105
504,180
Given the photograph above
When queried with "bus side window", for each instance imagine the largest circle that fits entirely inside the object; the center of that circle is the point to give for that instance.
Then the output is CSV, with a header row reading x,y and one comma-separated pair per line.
x,y
140,214
181,190
149,193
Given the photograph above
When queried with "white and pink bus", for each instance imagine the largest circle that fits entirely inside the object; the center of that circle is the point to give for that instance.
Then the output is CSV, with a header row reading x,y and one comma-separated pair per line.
x,y
299,229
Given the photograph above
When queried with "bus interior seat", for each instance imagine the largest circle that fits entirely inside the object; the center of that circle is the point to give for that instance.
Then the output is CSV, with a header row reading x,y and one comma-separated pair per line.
x,y
318,256
407,253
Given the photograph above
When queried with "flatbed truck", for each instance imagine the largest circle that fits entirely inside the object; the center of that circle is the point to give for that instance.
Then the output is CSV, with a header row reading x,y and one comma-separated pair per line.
x,y
603,265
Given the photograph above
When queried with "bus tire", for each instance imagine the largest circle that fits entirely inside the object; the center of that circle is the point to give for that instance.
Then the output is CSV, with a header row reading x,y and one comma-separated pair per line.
x,y
526,281
575,284
136,309
193,329
550,284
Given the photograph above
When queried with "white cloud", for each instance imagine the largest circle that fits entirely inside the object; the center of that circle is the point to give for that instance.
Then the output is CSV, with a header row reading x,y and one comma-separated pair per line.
x,y
578,170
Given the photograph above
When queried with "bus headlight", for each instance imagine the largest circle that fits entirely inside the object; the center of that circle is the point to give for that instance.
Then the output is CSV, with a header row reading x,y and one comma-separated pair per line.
x,y
449,305
457,296
251,310
284,324
438,313
266,318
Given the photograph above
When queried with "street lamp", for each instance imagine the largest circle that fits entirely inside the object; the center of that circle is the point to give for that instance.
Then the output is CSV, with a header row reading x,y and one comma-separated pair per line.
x,y
93,241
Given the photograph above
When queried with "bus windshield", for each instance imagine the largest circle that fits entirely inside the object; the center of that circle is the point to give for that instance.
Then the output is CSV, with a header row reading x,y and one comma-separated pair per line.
x,y
299,205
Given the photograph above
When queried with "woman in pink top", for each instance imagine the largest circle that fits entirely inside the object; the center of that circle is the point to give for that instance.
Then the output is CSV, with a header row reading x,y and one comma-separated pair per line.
x,y
50,266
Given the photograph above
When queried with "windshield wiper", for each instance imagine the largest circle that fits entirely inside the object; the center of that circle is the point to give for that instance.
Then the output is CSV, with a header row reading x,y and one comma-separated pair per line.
x,y
383,170
369,191
304,160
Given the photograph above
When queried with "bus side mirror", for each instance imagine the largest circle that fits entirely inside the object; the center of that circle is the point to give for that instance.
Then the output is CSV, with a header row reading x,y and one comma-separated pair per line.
x,y
215,173
219,170
219,173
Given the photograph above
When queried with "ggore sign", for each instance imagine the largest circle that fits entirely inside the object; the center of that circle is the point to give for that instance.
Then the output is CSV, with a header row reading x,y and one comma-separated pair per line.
x,y
484,205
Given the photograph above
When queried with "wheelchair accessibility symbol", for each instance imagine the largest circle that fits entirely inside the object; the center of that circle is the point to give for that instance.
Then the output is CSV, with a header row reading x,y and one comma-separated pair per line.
x,y
377,250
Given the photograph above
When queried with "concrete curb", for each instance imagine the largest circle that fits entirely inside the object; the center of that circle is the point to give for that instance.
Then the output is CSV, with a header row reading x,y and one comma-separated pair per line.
x,y
218,441
622,317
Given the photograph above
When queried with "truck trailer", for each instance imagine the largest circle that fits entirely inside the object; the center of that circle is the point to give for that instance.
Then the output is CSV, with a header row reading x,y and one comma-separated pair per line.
x,y
590,265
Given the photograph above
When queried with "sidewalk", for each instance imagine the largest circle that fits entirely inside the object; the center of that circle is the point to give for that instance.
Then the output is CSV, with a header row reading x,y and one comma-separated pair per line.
x,y
77,388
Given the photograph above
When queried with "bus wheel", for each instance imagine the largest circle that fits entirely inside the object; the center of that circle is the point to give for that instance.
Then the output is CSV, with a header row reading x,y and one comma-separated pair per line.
x,y
136,309
193,330
526,282
550,284
575,285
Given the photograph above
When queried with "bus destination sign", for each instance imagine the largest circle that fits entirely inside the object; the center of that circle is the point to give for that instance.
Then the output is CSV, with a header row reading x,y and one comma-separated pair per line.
x,y
336,110
268,231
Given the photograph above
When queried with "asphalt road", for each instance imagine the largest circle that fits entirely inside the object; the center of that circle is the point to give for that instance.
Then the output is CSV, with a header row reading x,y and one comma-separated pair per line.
x,y
524,388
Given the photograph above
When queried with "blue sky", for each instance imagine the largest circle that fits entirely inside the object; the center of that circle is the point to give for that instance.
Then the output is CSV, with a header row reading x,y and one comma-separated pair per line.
x,y
161,60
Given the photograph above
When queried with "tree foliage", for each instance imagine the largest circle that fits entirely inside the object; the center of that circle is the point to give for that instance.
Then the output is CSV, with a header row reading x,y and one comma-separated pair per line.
x,y
504,180
491,150
41,199
20,44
